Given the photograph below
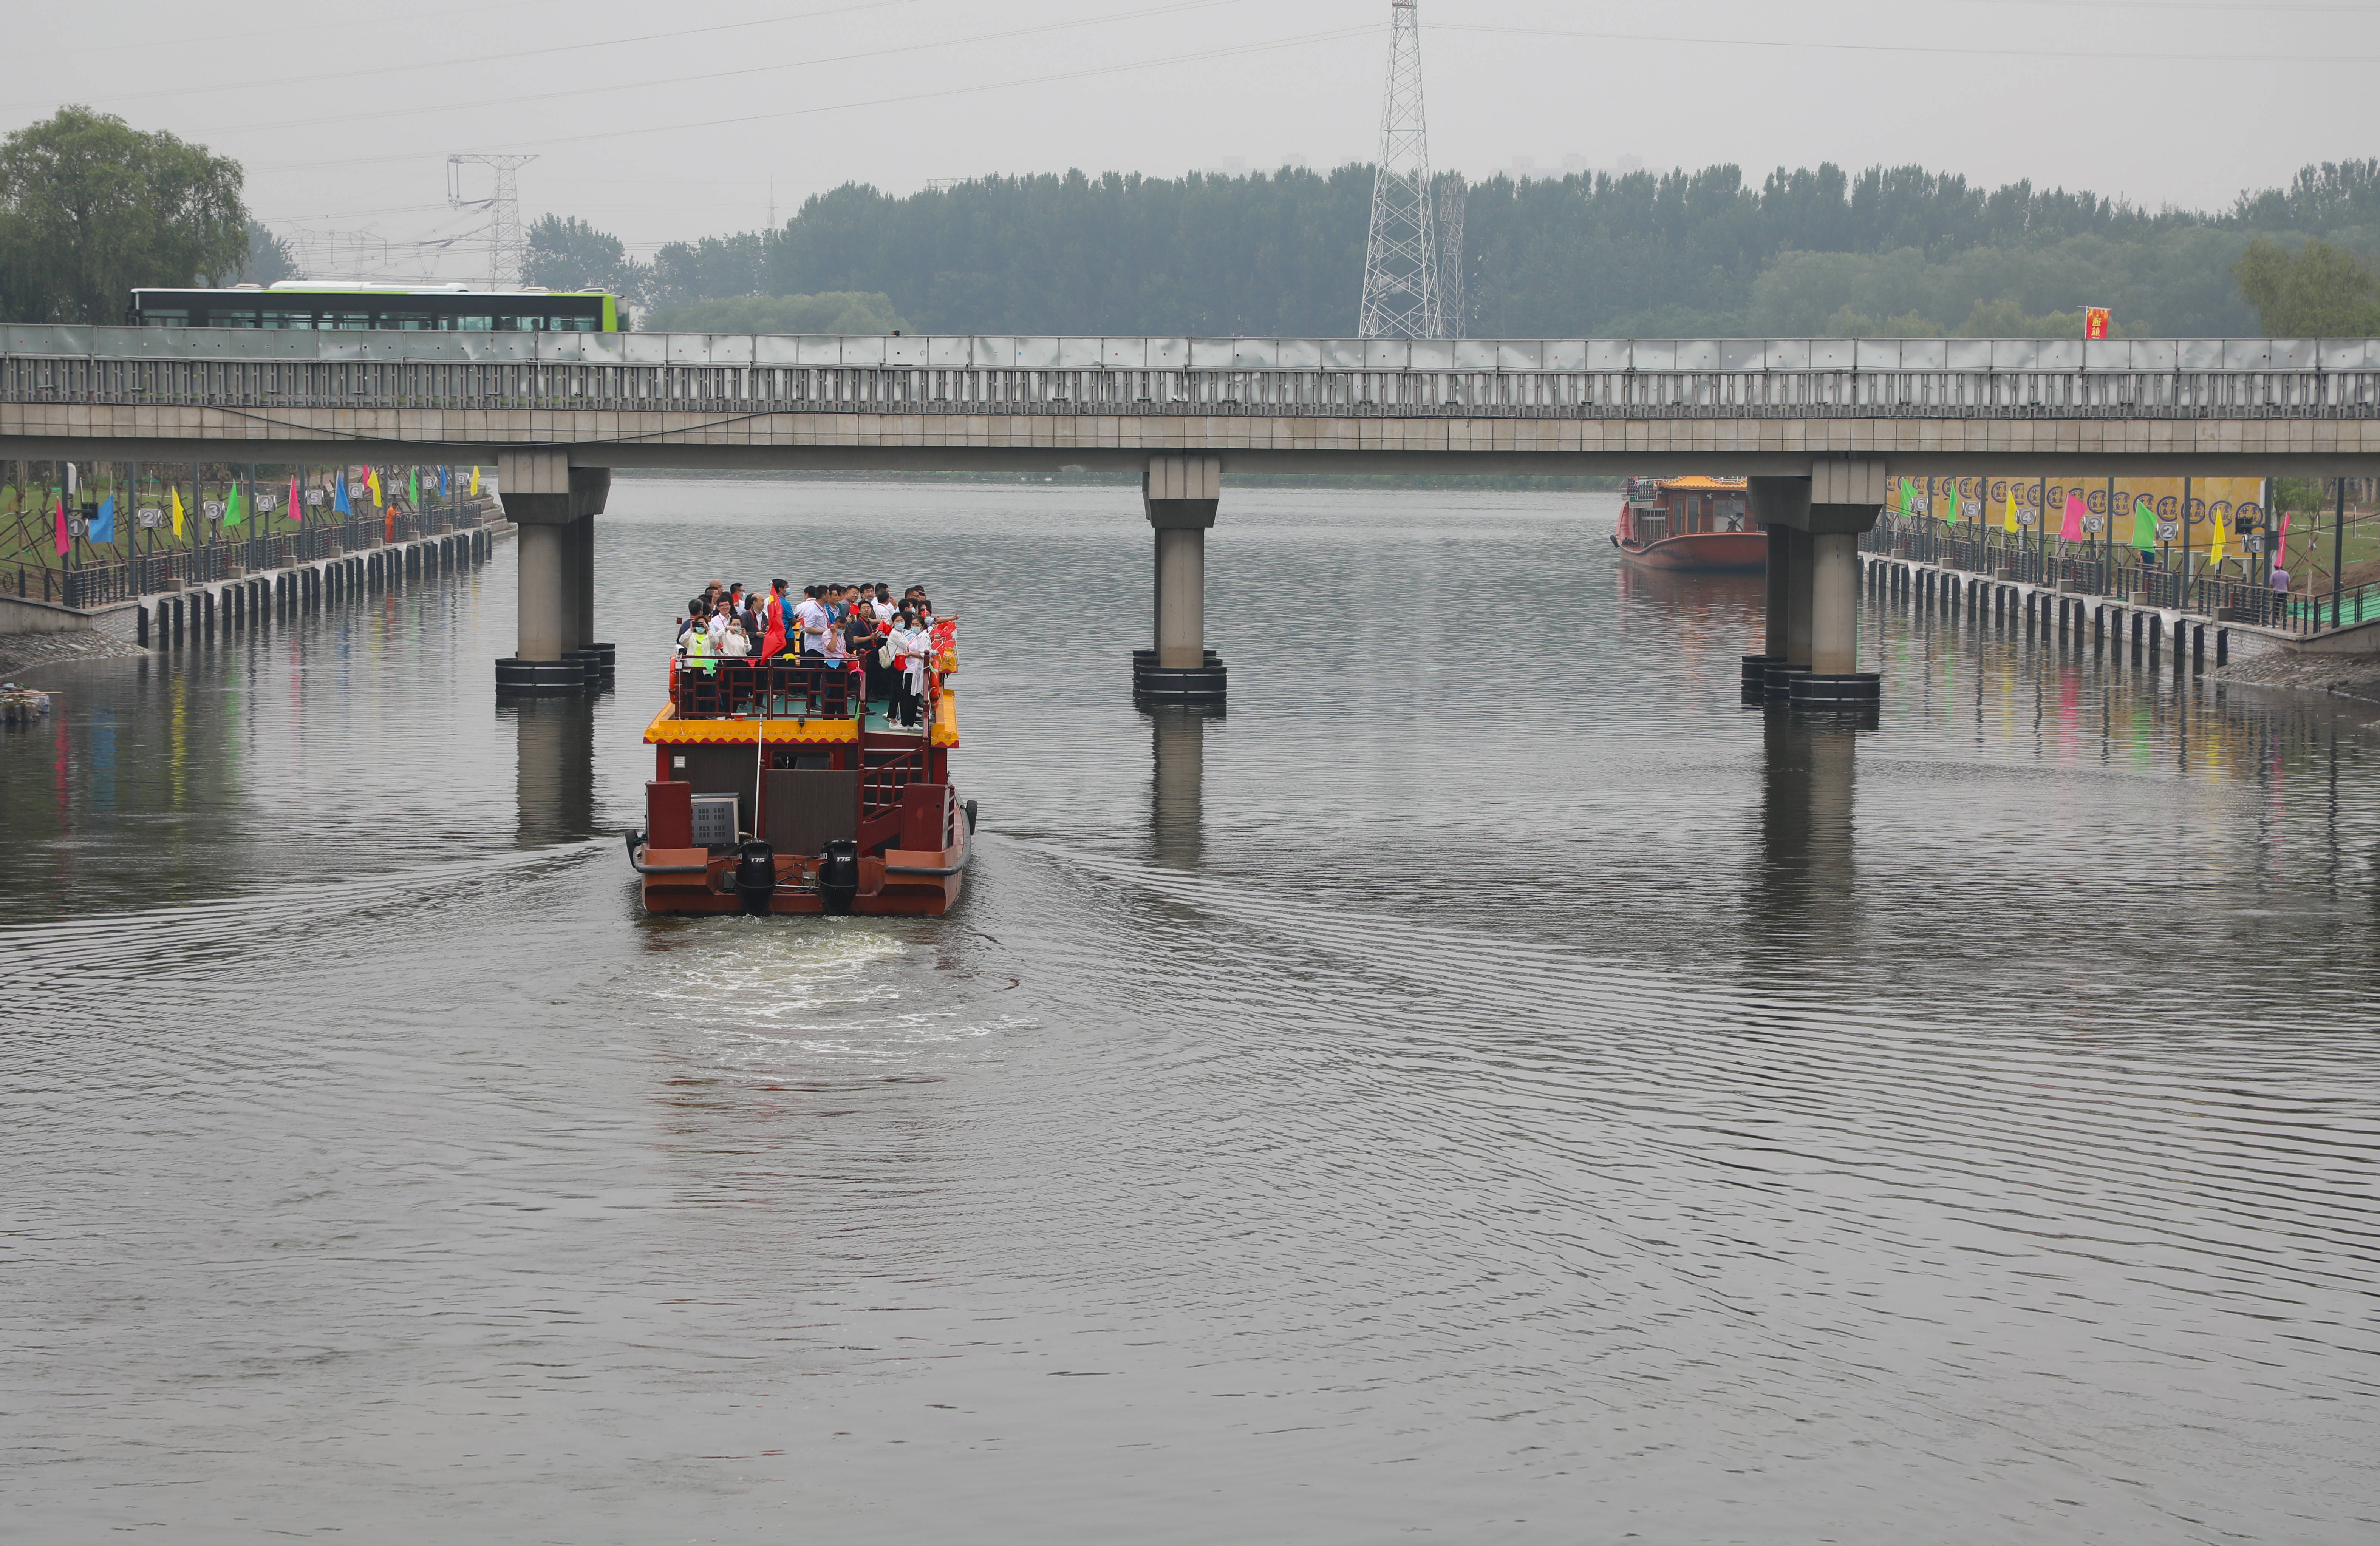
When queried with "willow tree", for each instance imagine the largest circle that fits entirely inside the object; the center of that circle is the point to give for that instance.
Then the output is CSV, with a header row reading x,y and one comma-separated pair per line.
x,y
91,208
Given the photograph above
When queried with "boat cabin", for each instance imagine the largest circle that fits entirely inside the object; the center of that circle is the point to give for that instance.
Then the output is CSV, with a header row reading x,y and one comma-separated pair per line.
x,y
788,761
1659,508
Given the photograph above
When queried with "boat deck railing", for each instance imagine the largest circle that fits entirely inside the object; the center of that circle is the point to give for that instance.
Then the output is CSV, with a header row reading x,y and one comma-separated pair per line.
x,y
726,687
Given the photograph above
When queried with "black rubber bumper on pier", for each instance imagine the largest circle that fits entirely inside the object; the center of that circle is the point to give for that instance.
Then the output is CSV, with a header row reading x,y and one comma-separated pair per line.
x,y
1154,684
567,675
1853,690
1755,675
1776,680
598,660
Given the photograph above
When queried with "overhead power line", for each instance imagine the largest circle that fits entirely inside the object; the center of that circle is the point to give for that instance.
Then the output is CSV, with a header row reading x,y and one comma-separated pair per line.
x,y
1335,35
707,77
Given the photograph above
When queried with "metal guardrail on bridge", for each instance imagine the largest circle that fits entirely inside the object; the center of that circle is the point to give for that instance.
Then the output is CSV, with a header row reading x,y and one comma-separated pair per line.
x,y
1949,378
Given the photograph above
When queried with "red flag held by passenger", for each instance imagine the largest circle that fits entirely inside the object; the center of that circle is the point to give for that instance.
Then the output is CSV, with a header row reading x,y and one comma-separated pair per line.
x,y
772,639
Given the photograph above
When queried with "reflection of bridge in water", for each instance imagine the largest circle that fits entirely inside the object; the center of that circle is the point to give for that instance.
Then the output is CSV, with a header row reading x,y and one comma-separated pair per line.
x,y
1819,424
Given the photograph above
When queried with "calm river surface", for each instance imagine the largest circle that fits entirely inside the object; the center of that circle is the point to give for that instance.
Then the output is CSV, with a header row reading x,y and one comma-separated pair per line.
x,y
1489,1085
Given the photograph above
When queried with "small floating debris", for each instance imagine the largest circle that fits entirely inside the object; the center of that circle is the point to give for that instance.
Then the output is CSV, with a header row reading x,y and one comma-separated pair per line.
x,y
22,706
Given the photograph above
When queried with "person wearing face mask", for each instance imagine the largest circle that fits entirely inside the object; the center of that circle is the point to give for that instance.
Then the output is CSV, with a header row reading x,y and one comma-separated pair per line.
x,y
910,645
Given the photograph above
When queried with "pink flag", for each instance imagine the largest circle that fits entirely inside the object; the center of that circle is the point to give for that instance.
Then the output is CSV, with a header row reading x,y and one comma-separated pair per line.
x,y
64,547
294,506
2072,529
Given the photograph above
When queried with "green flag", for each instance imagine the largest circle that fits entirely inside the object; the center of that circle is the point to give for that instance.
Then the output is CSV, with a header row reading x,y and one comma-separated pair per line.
x,y
2144,525
231,506
1908,497
416,487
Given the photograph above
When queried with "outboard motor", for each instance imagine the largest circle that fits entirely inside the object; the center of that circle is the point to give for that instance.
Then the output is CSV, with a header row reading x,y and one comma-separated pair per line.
x,y
838,879
756,875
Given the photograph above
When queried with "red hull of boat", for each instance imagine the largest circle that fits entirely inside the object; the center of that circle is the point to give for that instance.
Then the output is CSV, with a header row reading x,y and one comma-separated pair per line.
x,y
1708,551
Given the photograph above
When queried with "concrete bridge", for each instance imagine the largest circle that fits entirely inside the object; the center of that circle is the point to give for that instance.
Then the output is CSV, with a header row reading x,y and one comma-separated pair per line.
x,y
1821,425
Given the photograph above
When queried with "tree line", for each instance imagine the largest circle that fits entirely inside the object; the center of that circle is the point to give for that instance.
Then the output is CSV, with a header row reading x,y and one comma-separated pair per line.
x,y
90,208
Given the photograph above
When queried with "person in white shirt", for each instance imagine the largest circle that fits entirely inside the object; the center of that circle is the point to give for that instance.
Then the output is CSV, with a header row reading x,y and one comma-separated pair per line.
x,y
811,617
738,644
717,627
885,609
910,645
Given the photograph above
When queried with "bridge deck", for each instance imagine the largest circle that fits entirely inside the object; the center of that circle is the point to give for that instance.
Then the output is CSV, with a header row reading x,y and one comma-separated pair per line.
x,y
625,399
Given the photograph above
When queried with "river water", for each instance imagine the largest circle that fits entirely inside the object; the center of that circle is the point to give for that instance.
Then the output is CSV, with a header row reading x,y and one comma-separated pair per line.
x,y
1490,1085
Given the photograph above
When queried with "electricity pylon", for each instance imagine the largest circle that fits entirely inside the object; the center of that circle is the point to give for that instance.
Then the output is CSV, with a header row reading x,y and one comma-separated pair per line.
x,y
1400,294
508,248
1454,268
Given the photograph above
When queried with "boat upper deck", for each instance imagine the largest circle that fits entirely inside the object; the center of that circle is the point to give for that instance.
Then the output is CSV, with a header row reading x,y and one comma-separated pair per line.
x,y
730,700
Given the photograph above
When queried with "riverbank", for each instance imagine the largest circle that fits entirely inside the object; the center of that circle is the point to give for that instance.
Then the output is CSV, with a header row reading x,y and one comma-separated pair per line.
x,y
24,652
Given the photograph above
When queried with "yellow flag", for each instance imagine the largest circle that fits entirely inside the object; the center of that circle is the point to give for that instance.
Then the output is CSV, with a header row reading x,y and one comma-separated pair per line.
x,y
2012,524
2216,536
475,483
177,513
373,482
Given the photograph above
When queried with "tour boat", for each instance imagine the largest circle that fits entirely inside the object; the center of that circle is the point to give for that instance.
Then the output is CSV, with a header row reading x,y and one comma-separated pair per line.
x,y
779,788
1690,523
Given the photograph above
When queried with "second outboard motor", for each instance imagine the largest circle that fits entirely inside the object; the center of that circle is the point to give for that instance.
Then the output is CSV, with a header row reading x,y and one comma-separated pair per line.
x,y
756,875
838,879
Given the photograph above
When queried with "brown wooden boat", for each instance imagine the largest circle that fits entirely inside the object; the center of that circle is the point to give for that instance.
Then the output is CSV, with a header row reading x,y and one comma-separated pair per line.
x,y
1689,524
778,788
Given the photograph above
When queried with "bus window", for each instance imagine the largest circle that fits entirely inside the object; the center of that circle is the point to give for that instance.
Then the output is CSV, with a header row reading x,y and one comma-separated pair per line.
x,y
519,324
472,324
221,318
571,324
287,319
405,321
161,317
360,320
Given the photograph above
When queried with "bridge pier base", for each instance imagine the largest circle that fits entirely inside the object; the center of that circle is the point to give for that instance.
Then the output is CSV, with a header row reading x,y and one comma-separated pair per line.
x,y
1180,495
554,506
1814,528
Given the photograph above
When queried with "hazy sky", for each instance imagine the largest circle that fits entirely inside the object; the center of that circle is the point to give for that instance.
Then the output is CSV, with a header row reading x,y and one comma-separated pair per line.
x,y
671,121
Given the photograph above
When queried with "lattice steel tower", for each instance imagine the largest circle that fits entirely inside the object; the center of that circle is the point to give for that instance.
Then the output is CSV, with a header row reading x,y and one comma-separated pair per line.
x,y
1401,295
1453,267
508,248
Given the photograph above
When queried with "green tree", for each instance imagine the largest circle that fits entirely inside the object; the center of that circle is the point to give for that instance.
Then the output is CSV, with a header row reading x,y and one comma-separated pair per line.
x,y
835,311
569,254
91,209
270,260
2320,291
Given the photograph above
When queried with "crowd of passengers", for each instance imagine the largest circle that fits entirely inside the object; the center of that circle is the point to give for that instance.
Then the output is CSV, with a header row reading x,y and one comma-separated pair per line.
x,y
891,646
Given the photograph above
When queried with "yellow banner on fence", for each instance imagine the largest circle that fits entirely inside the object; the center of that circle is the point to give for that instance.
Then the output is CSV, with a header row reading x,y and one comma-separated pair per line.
x,y
2224,502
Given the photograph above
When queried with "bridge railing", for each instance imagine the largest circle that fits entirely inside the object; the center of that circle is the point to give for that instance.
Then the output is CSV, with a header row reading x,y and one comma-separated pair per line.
x,y
2313,383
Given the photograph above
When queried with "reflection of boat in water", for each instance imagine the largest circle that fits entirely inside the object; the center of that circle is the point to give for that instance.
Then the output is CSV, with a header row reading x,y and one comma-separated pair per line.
x,y
778,788
1689,524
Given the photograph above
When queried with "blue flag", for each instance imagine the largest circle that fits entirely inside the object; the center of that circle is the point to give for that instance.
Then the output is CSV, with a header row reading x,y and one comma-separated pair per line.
x,y
442,483
339,495
102,526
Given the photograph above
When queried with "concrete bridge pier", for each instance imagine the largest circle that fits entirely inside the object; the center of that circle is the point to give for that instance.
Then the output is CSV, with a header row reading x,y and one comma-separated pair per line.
x,y
1180,495
554,504
1813,525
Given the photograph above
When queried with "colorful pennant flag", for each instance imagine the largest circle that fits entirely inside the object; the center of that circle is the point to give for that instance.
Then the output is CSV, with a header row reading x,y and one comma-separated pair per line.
x,y
231,506
2144,525
442,483
177,511
2014,525
2073,528
339,495
475,483
2217,540
1949,511
102,526
294,506
416,498
371,481
66,545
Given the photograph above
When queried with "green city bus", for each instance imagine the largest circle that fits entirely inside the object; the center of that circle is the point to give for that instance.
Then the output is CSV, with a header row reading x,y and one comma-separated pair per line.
x,y
328,305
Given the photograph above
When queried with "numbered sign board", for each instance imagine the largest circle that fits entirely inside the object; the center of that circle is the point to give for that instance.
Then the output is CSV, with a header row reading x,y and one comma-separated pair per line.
x,y
148,517
2168,530
266,500
212,510
314,498
2027,515
2093,524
